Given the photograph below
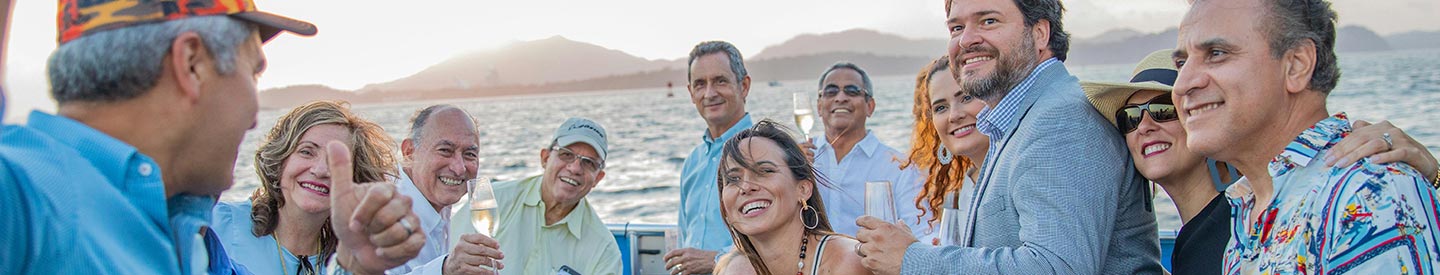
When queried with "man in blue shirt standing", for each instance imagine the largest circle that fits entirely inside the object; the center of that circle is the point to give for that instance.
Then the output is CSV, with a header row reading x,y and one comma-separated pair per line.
x,y
718,87
154,100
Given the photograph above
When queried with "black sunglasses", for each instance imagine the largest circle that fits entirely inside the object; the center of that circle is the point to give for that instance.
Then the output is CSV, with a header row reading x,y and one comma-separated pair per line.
x,y
851,90
1161,109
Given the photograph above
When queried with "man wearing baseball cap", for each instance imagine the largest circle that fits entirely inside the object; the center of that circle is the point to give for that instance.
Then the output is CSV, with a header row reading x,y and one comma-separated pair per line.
x,y
544,223
154,99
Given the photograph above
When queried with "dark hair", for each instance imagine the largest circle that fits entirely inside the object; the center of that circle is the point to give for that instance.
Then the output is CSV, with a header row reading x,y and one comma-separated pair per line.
x,y
374,161
800,168
941,179
1292,21
737,62
864,77
1048,10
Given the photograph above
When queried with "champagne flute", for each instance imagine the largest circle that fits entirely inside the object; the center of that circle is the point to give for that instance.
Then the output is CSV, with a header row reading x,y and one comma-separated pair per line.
x,y
804,113
879,202
949,231
482,205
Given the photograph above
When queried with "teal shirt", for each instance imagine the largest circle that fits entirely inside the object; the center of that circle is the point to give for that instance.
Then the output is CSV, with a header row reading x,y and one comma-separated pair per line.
x,y
700,223
74,200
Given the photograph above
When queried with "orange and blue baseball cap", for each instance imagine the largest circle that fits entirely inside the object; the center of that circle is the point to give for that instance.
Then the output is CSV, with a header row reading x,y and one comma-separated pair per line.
x,y
79,18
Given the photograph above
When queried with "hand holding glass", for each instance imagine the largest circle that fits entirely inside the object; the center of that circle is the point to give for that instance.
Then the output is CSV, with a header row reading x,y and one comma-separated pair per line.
x,y
879,202
482,206
805,112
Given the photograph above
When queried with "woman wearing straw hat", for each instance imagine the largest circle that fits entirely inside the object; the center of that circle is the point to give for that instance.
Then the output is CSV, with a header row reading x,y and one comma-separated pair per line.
x,y
1142,110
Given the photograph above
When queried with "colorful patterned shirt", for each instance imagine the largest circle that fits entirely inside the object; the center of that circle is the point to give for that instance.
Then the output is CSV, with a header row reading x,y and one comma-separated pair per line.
x,y
1367,218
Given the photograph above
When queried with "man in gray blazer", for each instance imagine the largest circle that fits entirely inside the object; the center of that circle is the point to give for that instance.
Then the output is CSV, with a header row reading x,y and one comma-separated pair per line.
x,y
1058,193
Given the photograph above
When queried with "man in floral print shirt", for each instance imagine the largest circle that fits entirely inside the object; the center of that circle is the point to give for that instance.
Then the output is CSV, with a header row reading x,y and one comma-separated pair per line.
x,y
1254,77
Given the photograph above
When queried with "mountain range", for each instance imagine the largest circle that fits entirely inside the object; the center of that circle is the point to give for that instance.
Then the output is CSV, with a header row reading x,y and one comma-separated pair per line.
x,y
557,64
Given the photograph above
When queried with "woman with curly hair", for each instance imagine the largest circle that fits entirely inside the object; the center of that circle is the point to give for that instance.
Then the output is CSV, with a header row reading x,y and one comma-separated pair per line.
x,y
285,225
944,144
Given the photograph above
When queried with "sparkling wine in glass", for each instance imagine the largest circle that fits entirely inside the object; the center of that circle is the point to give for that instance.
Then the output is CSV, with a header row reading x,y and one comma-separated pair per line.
x,y
879,202
482,206
804,113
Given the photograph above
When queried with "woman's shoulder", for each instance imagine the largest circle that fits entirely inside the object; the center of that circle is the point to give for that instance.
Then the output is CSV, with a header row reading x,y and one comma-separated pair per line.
x,y
734,264
229,217
840,257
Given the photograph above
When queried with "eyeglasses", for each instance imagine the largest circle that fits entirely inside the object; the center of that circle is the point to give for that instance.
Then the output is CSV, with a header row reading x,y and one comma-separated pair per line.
x,y
1160,108
851,90
567,156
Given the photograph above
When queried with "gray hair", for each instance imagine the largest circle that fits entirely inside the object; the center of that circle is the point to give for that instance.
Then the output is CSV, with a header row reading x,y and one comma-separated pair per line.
x,y
864,77
1049,10
737,63
422,117
124,63
1292,21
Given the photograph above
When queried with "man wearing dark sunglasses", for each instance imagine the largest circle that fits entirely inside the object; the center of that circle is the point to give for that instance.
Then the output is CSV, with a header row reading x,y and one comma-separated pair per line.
x,y
544,222
849,155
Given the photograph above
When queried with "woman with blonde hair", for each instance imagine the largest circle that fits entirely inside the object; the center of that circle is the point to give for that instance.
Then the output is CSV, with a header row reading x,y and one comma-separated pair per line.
x,y
285,225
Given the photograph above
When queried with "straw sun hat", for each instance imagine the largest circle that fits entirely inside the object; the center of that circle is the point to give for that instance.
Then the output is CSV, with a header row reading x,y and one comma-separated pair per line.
x,y
1155,72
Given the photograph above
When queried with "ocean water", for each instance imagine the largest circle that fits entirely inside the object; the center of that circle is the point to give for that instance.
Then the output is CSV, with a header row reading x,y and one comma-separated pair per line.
x,y
651,134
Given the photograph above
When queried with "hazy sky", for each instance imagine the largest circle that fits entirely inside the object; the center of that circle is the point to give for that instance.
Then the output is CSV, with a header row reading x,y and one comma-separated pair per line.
x,y
370,41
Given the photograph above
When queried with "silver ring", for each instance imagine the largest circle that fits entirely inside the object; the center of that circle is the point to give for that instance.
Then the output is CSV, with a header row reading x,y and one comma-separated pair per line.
x,y
409,229
1389,144
857,250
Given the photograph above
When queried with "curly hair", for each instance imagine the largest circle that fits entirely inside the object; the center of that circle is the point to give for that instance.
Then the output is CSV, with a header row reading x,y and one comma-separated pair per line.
x,y
800,168
374,160
941,179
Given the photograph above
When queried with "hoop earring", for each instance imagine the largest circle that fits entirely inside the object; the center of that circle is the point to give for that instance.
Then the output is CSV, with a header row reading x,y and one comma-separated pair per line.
x,y
804,221
944,155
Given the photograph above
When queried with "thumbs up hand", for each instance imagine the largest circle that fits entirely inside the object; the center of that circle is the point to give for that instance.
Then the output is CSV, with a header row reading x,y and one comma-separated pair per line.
x,y
374,223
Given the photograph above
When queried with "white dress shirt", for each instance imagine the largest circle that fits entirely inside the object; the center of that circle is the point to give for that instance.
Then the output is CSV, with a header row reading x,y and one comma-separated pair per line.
x,y
431,259
868,161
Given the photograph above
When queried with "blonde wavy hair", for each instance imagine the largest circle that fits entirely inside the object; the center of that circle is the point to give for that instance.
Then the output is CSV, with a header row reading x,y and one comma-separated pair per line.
x,y
373,150
941,179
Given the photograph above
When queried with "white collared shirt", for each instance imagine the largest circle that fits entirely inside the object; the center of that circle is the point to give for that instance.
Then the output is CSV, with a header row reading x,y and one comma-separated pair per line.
x,y
431,259
870,160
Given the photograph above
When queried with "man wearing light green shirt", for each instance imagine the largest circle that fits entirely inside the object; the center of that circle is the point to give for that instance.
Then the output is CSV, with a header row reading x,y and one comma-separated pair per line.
x,y
544,223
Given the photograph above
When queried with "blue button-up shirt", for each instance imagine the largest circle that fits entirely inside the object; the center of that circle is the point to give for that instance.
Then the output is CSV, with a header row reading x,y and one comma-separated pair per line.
x,y
234,226
1367,218
870,160
74,200
700,223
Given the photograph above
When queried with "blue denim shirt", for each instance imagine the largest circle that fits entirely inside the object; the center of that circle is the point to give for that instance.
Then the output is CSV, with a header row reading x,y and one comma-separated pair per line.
x,y
700,223
74,200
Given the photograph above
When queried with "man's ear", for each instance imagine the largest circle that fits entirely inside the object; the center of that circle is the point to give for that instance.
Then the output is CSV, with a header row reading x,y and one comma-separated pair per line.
x,y
407,149
190,65
1041,33
1299,66
745,87
544,157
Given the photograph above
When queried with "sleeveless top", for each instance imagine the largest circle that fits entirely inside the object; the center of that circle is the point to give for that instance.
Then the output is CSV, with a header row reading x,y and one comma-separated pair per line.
x,y
819,252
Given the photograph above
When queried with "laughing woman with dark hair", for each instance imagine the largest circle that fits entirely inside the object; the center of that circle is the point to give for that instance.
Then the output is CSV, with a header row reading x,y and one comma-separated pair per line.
x,y
285,226
769,203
